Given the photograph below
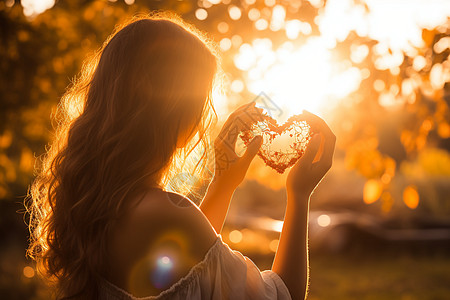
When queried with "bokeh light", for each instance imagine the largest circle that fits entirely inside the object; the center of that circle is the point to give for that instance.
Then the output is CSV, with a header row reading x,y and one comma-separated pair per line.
x,y
324,220
28,272
372,191
273,245
32,8
235,12
201,14
411,197
235,236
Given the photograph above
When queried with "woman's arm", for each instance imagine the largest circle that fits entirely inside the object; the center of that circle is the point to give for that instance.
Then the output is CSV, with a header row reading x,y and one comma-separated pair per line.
x,y
215,204
291,259
230,169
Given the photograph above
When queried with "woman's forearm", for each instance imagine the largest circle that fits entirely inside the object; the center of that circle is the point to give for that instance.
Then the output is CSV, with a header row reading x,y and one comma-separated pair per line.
x,y
291,260
215,204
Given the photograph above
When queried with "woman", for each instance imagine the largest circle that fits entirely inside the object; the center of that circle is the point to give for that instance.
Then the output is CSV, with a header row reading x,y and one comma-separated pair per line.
x,y
103,223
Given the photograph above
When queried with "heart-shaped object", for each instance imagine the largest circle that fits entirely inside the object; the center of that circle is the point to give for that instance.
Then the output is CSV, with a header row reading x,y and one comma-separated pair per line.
x,y
295,133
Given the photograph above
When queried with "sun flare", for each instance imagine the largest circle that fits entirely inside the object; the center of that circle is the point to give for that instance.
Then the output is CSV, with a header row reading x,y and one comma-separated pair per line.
x,y
307,71
297,78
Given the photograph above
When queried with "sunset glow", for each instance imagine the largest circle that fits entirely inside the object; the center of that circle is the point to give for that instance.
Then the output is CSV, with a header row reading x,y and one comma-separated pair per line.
x,y
296,78
312,74
128,128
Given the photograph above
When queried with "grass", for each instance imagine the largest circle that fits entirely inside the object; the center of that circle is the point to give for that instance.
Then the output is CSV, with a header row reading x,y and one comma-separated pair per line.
x,y
389,275
381,278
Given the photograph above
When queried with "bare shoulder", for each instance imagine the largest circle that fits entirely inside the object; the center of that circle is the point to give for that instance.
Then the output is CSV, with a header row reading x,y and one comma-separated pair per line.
x,y
161,211
163,230
162,214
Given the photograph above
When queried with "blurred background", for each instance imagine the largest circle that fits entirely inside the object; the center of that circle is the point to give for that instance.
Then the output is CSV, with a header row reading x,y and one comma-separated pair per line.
x,y
378,71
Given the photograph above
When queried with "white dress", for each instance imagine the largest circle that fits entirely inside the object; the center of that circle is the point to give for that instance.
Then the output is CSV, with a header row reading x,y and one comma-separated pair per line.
x,y
222,274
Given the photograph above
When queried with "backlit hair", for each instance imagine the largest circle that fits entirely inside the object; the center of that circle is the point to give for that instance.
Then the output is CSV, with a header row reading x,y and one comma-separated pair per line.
x,y
119,125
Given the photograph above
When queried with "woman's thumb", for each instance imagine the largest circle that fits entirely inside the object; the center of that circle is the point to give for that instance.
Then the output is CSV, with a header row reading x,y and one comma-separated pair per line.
x,y
253,148
311,149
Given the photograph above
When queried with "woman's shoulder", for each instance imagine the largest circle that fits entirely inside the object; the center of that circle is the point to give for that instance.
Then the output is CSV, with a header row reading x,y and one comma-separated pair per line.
x,y
169,210
160,213
161,230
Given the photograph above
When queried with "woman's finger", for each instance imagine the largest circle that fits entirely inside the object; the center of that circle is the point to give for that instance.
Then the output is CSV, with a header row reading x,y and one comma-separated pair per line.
x,y
248,108
251,150
326,160
311,150
328,151
239,120
319,125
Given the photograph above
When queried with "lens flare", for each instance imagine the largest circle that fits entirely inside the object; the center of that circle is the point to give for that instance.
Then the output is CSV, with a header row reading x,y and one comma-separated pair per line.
x,y
162,274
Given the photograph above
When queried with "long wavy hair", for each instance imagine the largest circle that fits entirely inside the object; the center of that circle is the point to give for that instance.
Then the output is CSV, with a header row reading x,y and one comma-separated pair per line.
x,y
138,114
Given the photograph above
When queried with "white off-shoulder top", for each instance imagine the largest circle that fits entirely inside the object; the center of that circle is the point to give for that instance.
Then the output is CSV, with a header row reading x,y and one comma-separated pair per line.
x,y
222,274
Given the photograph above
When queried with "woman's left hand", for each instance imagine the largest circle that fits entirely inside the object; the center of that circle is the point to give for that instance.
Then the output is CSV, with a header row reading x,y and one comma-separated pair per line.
x,y
230,169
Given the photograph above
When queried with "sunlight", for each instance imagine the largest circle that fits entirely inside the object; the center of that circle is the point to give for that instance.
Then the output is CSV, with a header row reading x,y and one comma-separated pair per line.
x,y
311,74
32,8
297,77
399,25
269,224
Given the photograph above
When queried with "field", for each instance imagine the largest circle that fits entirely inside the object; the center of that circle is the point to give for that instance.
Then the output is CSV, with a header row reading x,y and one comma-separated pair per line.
x,y
384,278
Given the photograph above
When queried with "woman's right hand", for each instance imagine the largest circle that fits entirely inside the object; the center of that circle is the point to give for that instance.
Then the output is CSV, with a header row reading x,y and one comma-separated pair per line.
x,y
309,170
291,258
